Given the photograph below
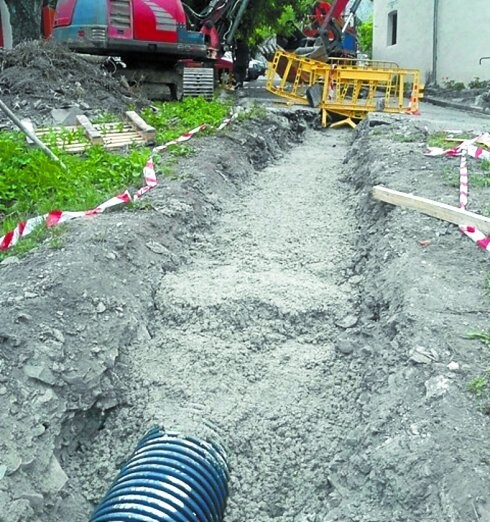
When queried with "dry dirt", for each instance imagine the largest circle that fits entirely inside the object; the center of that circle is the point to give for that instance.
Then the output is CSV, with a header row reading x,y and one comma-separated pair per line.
x,y
262,298
36,77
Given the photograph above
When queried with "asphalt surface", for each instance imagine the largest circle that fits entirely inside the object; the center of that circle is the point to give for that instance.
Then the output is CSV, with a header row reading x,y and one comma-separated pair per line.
x,y
436,117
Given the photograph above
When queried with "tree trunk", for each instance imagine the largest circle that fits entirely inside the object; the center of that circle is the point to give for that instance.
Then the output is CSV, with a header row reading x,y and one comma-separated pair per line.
x,y
25,17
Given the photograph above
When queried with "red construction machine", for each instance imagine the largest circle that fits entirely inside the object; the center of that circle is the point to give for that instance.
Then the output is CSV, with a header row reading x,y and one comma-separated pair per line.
x,y
165,46
329,32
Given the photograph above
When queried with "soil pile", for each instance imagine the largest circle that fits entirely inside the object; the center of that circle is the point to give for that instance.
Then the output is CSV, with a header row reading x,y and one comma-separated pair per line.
x,y
38,76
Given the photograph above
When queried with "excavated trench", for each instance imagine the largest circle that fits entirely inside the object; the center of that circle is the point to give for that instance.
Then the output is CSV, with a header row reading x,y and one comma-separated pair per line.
x,y
254,301
248,339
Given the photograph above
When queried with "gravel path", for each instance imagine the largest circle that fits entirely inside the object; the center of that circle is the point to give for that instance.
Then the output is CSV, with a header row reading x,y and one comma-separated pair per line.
x,y
245,332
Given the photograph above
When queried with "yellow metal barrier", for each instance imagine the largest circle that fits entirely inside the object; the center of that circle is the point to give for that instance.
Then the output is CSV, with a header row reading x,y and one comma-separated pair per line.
x,y
345,87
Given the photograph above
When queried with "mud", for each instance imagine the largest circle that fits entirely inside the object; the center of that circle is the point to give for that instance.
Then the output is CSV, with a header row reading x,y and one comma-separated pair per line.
x,y
264,299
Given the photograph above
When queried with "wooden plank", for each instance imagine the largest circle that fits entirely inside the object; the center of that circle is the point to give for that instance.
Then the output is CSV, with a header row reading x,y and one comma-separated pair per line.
x,y
147,131
124,142
91,132
114,127
122,135
432,208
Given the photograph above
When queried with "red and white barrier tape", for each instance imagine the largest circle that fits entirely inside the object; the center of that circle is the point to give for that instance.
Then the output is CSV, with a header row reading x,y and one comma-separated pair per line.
x,y
465,149
57,217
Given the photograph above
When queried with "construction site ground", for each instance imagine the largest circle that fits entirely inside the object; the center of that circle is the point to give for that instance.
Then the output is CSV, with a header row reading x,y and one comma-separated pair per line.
x,y
263,298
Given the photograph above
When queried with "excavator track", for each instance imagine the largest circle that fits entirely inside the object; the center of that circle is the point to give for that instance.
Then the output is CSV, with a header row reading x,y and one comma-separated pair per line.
x,y
198,81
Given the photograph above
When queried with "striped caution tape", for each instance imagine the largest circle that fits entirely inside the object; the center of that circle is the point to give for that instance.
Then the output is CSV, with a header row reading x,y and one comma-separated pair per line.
x,y
56,217
465,149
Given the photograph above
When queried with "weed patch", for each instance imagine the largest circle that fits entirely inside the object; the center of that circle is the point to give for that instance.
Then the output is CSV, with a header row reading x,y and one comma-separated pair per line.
x,y
479,386
174,118
442,139
32,184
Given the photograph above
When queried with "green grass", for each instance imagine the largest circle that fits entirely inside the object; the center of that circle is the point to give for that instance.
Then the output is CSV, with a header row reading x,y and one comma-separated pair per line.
x,y
32,184
479,386
451,175
171,119
482,177
440,139
484,337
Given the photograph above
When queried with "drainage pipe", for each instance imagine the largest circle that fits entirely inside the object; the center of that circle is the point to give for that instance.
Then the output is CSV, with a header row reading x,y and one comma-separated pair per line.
x,y
435,29
168,479
5,26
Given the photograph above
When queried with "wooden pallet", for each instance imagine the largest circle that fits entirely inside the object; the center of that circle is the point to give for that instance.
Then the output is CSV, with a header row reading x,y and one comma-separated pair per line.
x,y
112,136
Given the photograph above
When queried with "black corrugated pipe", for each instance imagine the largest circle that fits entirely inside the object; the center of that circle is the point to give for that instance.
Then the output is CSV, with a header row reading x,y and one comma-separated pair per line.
x,y
168,479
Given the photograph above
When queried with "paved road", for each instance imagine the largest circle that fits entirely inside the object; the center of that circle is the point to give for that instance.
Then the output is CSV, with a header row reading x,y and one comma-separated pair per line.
x,y
437,118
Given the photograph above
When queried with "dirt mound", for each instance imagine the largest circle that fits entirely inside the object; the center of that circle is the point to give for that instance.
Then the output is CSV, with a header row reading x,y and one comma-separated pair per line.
x,y
36,77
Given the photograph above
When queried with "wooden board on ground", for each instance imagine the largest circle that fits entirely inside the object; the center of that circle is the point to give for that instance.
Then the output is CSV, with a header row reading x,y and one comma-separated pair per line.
x,y
432,208
111,136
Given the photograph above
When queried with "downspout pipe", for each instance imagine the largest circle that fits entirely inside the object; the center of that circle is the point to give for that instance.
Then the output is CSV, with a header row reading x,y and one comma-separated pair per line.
x,y
435,26
6,25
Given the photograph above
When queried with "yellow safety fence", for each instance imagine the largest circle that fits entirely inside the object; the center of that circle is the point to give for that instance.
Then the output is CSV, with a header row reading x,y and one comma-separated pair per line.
x,y
343,87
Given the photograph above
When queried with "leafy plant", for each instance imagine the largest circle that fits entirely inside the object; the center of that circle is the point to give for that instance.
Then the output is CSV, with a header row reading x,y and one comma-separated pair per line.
x,y
478,385
365,36
453,85
174,118
476,83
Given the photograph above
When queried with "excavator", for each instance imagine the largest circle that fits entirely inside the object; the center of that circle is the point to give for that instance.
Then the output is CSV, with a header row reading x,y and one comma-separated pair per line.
x,y
164,46
329,35
171,50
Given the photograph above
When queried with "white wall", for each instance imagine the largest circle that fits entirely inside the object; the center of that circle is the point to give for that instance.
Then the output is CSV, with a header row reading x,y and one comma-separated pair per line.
x,y
462,37
413,49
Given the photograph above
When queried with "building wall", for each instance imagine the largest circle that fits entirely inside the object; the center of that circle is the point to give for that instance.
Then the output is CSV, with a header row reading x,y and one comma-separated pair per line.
x,y
461,37
413,49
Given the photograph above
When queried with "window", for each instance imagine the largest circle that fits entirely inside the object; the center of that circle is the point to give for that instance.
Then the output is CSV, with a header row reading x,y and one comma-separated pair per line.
x,y
392,27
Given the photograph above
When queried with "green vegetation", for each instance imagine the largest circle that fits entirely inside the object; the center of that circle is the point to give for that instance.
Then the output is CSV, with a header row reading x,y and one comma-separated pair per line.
x,y
479,385
173,119
441,139
453,86
484,337
365,36
482,177
476,83
32,184
256,111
